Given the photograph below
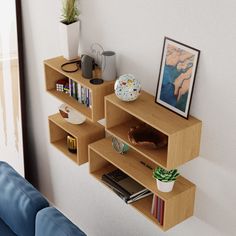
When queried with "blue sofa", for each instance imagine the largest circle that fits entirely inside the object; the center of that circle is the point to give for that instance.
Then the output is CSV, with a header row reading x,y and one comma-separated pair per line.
x,y
25,212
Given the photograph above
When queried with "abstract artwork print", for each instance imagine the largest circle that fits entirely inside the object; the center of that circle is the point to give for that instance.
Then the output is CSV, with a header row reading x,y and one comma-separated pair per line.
x,y
176,78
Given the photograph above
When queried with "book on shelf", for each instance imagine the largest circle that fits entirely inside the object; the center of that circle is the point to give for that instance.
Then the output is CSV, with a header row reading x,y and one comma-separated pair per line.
x,y
90,99
80,93
124,186
157,209
70,87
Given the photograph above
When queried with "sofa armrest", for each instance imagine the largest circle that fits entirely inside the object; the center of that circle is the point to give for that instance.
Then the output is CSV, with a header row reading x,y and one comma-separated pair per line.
x,y
51,222
19,201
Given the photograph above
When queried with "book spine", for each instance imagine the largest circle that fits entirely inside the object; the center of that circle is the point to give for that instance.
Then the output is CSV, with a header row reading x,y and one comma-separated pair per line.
x,y
159,210
162,212
70,87
156,206
76,91
87,97
153,203
79,92
90,99
82,94
73,88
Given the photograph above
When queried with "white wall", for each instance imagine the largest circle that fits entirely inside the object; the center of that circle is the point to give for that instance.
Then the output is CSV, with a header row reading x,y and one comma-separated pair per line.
x,y
135,30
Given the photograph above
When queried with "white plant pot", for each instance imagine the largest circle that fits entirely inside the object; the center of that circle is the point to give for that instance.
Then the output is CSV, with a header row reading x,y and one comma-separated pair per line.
x,y
165,186
69,37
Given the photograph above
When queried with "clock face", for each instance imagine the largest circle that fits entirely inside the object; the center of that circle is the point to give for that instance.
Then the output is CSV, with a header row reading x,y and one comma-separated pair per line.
x,y
127,88
119,146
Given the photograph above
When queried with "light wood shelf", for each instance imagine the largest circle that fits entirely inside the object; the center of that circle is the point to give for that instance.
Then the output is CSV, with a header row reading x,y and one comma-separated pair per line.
x,y
158,156
102,160
84,134
183,135
72,102
61,146
53,73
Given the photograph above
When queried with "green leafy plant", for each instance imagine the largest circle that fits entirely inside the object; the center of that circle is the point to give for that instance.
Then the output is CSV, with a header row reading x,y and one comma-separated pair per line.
x,y
165,175
70,12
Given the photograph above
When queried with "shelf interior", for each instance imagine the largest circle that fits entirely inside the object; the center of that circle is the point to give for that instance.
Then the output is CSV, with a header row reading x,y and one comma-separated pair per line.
x,y
61,145
145,109
157,155
130,163
55,64
143,205
58,138
87,111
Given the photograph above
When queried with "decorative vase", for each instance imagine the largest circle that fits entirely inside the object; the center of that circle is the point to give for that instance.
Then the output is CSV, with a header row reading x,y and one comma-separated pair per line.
x,y
108,65
127,88
69,36
165,186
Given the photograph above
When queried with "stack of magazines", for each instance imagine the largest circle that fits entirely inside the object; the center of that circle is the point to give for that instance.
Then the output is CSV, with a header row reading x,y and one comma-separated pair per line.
x,y
124,186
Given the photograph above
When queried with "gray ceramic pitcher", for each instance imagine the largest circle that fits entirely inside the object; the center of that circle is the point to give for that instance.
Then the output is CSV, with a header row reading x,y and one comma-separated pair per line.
x,y
108,65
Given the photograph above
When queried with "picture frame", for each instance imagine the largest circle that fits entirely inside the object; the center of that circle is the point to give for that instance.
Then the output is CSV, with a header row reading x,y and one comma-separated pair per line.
x,y
177,74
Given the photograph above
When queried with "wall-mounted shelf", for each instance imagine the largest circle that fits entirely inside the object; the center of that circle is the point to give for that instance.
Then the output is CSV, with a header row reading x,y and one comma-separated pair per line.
x,y
183,135
53,73
84,134
178,204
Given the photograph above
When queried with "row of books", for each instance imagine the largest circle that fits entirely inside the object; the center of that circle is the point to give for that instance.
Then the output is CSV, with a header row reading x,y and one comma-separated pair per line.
x,y
80,93
157,210
124,186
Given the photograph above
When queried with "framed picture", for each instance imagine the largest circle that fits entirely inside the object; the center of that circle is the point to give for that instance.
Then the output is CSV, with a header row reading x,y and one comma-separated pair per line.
x,y
176,77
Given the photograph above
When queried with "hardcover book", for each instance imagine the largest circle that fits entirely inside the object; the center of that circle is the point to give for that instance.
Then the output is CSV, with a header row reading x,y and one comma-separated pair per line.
x,y
129,190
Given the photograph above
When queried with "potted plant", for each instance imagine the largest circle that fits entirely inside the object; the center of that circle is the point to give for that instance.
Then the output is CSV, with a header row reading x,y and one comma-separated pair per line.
x,y
69,29
165,178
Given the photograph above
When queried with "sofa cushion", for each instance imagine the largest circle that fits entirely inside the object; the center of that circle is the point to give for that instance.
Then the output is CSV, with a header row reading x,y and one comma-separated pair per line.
x,y
5,230
19,201
51,222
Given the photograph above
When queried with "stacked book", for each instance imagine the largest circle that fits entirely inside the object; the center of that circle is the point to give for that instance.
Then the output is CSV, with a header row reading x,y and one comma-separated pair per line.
x,y
158,208
124,186
80,93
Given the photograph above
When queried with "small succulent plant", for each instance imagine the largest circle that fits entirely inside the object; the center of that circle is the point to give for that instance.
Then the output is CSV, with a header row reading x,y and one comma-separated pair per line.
x,y
165,175
70,12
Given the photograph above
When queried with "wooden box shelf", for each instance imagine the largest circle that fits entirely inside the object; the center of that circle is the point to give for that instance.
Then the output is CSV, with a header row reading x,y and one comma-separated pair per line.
x,y
84,134
178,204
183,135
53,73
